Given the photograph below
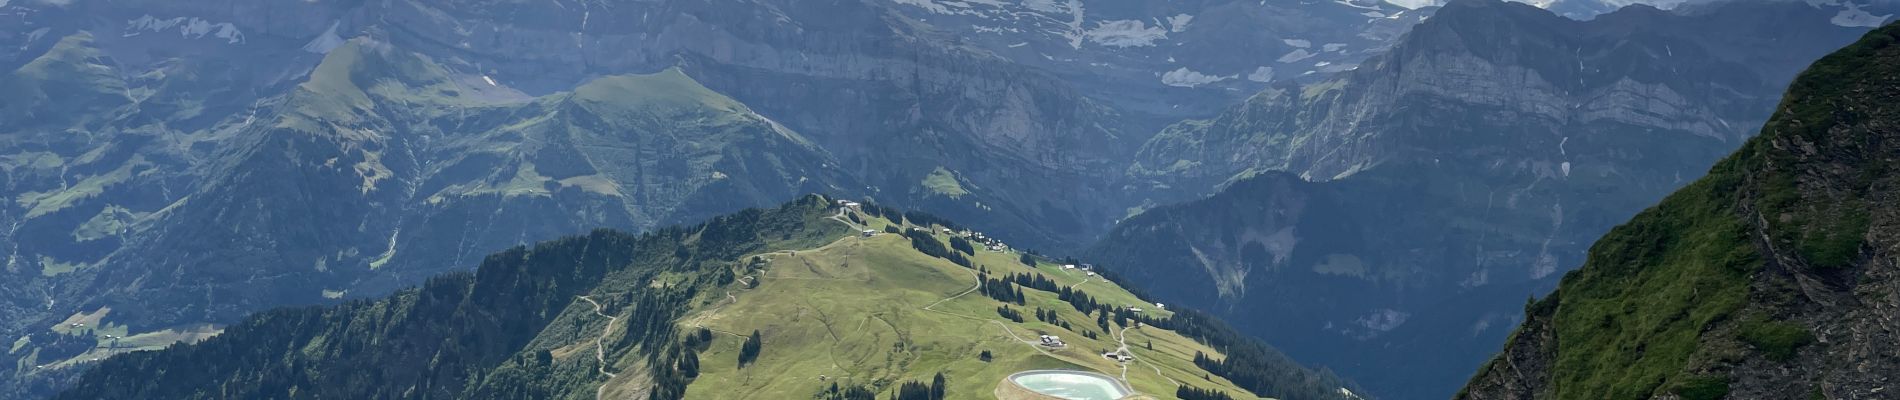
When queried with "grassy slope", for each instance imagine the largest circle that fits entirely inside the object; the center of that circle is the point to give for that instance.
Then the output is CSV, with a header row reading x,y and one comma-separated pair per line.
x,y
854,312
1669,288
1654,284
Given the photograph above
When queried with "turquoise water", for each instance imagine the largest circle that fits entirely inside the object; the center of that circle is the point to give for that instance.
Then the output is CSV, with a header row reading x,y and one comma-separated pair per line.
x,y
1072,386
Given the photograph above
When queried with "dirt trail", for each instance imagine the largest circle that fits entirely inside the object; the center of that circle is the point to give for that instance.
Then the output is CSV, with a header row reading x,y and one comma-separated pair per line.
x,y
1122,339
600,347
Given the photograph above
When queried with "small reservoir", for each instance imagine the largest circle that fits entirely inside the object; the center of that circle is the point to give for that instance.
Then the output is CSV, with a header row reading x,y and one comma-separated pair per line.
x,y
1071,385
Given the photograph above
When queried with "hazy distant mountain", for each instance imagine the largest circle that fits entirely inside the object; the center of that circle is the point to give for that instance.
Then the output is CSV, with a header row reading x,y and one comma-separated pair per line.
x,y
1772,277
1172,58
1849,13
1399,213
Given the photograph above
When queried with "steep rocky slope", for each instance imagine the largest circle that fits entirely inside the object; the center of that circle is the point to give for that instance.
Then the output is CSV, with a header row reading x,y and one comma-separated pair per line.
x,y
790,302
1491,77
1773,277
1396,214
1174,59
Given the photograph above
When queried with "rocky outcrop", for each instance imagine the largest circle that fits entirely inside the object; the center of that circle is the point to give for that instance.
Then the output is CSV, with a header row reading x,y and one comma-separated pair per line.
x,y
1790,290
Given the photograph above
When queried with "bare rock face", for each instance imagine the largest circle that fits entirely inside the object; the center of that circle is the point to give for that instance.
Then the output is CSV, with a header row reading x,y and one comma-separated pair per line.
x,y
1795,294
1513,65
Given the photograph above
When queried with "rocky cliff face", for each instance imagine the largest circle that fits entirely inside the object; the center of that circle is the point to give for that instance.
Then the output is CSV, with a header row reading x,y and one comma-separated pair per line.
x,y
1460,172
1176,59
1532,79
1773,277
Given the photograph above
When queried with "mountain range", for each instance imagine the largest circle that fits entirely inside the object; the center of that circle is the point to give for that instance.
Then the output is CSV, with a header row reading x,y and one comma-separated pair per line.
x,y
174,166
1397,214
1362,183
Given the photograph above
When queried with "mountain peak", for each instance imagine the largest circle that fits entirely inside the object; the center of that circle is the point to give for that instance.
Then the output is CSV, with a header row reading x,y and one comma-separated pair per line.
x,y
668,91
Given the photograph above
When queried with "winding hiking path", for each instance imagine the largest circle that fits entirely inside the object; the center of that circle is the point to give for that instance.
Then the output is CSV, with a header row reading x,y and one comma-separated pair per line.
x,y
999,324
973,288
600,347
1122,339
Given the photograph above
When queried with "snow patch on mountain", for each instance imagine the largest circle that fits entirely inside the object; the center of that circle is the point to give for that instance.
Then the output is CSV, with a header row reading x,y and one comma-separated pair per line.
x,y
1262,74
1296,55
928,5
1179,22
325,42
1183,77
1854,17
1125,33
1300,43
37,34
1075,22
189,28
1383,320
1043,5
1356,5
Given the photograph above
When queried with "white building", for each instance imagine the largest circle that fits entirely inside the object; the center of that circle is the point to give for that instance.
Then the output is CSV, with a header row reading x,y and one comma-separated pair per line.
x,y
1051,341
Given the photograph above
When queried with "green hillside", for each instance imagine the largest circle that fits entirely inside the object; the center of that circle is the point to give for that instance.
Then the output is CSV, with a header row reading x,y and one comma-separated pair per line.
x,y
670,313
1769,278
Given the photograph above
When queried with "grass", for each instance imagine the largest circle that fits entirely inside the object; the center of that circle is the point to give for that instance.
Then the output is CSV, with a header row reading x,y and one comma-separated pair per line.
x,y
90,320
69,81
42,203
1633,316
1778,340
166,337
111,221
853,312
942,181
123,340
1631,320
1703,388
1828,107
50,267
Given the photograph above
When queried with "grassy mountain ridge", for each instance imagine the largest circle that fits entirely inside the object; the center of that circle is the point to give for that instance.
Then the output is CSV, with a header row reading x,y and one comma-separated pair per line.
x,y
611,314
1765,279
